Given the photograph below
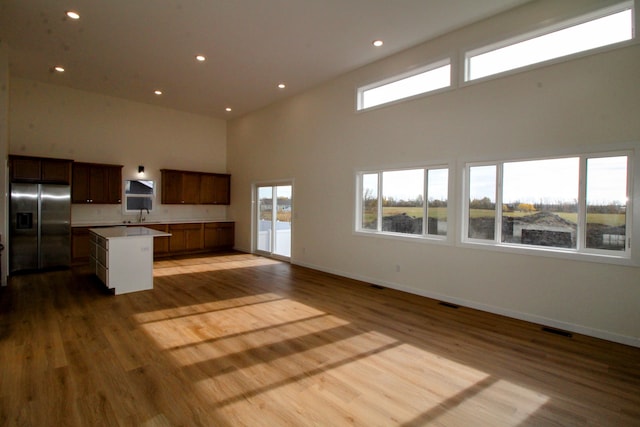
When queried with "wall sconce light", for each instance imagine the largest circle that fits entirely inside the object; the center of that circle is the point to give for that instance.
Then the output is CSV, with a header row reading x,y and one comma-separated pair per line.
x,y
140,169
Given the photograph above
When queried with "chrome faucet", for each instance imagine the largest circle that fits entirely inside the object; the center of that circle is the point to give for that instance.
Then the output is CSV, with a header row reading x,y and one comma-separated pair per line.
x,y
140,217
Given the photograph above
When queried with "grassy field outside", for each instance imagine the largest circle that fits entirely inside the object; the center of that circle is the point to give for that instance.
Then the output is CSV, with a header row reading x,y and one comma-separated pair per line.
x,y
440,213
284,216
613,220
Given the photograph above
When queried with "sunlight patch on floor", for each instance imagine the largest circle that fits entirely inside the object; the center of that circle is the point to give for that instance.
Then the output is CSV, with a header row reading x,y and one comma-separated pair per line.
x,y
274,352
495,402
172,267
209,322
259,342
194,309
296,373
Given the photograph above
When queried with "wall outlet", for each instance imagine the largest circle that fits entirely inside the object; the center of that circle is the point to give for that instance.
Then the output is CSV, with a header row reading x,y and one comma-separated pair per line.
x,y
397,268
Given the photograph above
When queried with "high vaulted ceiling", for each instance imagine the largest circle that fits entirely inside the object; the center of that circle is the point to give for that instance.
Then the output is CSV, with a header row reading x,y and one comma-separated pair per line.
x,y
130,48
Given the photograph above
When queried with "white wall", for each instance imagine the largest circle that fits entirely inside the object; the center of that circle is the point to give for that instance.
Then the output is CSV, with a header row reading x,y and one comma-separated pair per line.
x,y
55,121
318,140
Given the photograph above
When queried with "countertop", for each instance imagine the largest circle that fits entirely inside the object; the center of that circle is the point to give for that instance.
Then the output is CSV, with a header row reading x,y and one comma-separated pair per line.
x,y
142,224
122,231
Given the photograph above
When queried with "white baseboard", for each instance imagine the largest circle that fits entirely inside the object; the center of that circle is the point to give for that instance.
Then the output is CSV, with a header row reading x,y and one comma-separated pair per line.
x,y
579,329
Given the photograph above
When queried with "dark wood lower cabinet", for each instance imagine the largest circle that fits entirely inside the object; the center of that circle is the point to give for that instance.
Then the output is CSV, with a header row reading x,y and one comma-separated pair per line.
x,y
160,244
219,235
185,238
200,237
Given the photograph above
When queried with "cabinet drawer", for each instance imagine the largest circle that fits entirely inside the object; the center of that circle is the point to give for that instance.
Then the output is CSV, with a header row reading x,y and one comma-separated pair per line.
x,y
102,242
102,255
103,273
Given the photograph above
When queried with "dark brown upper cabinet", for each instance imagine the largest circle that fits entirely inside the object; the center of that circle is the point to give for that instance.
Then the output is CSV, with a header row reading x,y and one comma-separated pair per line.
x,y
40,169
187,187
215,189
96,183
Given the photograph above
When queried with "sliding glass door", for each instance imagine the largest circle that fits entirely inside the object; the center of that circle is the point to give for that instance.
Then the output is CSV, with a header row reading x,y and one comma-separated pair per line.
x,y
274,209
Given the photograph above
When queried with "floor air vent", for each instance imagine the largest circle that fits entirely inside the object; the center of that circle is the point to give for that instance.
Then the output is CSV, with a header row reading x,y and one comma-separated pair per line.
x,y
557,332
448,304
377,287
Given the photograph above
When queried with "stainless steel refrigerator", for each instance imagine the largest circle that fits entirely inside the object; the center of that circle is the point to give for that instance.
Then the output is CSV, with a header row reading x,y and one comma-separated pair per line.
x,y
39,234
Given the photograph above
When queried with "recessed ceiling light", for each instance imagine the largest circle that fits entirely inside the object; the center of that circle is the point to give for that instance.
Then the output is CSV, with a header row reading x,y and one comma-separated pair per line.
x,y
201,58
157,92
58,69
377,43
228,109
281,86
72,14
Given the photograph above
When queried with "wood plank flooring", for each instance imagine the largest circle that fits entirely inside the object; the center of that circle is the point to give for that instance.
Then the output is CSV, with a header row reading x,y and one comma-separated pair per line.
x,y
239,340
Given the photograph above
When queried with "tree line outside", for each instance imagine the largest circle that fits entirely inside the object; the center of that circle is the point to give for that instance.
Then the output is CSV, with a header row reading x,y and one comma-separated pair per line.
x,y
284,209
613,214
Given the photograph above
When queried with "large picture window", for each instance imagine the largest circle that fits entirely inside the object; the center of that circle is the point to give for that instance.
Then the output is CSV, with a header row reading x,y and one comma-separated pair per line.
x,y
577,203
404,201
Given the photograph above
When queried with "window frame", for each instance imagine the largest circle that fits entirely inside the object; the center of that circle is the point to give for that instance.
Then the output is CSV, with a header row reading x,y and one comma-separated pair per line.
x,y
403,76
126,196
425,236
467,55
630,256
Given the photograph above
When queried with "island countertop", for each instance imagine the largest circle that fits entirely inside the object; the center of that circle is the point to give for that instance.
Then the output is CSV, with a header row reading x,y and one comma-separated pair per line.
x,y
123,231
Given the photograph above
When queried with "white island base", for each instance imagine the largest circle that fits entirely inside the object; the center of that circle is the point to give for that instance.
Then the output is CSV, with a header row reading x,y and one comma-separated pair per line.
x,y
122,257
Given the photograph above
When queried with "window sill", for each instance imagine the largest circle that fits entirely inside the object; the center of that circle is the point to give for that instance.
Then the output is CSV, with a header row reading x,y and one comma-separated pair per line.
x,y
557,253
406,237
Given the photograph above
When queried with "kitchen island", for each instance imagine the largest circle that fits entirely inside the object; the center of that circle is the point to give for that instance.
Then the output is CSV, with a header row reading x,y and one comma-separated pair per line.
x,y
122,257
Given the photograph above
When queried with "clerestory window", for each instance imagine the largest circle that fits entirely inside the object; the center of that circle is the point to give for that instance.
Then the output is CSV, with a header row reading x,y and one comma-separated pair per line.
x,y
424,80
602,28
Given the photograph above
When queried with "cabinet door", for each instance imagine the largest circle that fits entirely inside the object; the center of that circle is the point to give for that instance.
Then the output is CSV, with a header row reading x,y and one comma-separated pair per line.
x,y
80,183
98,185
207,189
186,237
114,184
171,187
214,189
210,236
178,239
219,235
56,171
222,189
25,169
226,235
190,188
194,238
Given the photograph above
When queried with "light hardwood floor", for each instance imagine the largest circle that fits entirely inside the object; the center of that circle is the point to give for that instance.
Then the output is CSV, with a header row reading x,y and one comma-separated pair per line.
x,y
239,340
